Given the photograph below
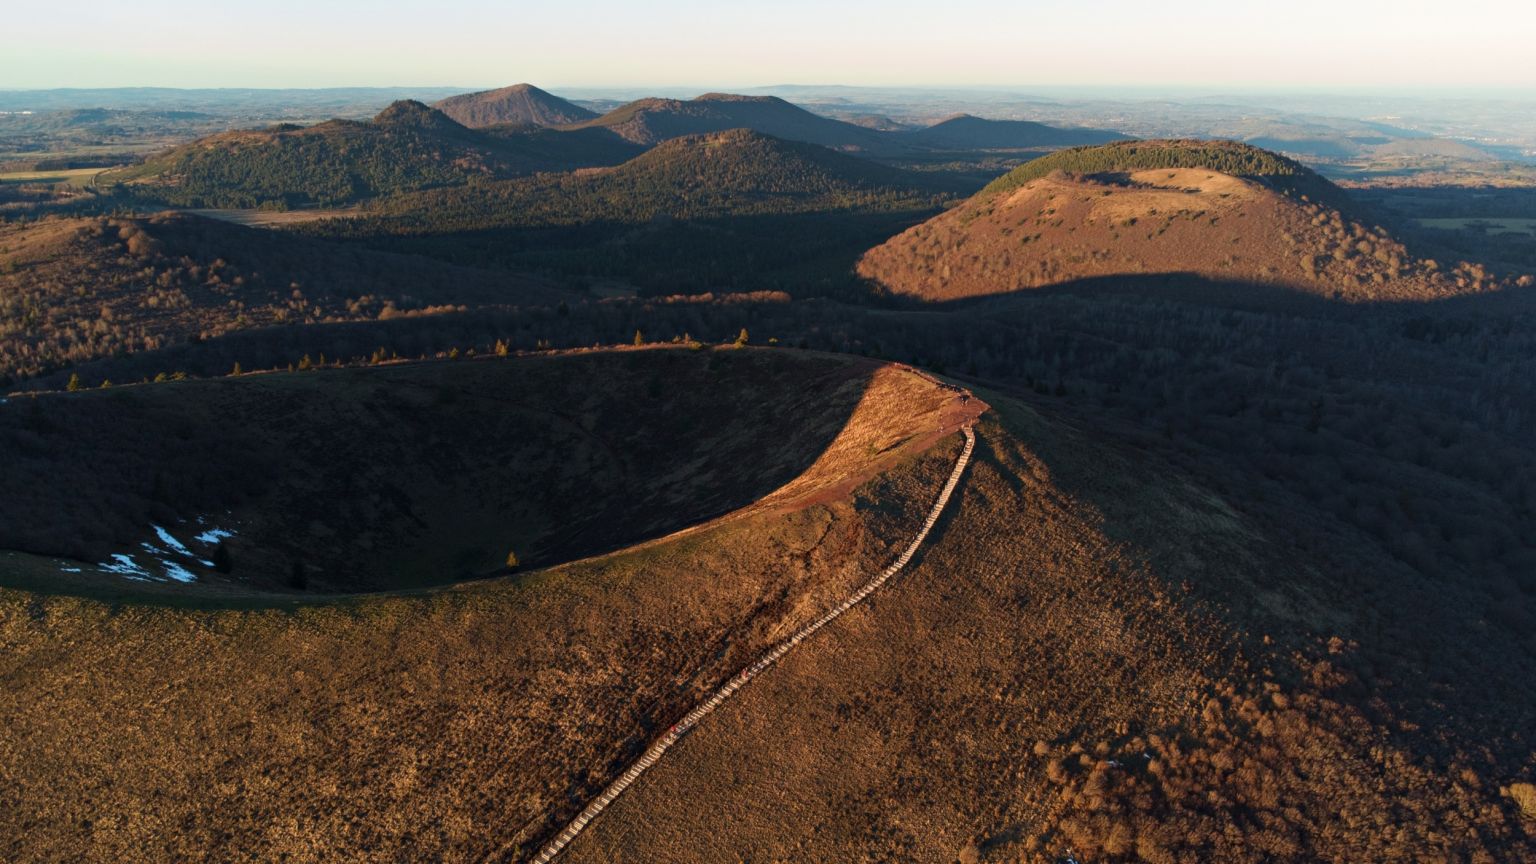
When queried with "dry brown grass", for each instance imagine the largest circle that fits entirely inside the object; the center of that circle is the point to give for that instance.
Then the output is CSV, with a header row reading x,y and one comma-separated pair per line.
x,y
996,702
434,725
1085,658
1060,229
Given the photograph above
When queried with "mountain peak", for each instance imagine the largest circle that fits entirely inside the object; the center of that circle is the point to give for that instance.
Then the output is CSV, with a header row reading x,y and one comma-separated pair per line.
x,y
409,112
514,105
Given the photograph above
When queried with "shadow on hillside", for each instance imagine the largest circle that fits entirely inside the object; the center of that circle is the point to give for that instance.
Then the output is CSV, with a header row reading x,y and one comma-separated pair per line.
x,y
1237,294
809,254
401,476
1360,473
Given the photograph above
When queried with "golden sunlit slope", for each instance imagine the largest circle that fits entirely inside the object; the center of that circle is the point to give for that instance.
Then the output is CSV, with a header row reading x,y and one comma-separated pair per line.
x,y
1091,656
1096,660
436,724
1217,211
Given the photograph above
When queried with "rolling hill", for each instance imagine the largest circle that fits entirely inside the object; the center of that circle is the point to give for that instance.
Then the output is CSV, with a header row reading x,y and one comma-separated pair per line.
x,y
1199,210
517,105
967,132
733,173
76,289
734,210
407,147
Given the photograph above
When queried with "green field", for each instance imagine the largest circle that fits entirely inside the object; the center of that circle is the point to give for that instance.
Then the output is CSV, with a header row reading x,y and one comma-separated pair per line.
x,y
267,218
81,178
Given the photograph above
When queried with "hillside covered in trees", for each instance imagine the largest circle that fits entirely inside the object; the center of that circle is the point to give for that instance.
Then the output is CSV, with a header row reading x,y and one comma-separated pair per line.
x,y
407,147
78,289
733,209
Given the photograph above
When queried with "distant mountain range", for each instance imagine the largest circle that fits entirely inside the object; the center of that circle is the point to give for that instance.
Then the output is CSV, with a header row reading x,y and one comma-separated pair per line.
x,y
649,121
966,132
512,132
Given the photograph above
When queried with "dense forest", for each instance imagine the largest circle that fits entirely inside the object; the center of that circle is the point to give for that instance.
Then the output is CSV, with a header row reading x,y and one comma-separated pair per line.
x,y
407,147
77,289
729,211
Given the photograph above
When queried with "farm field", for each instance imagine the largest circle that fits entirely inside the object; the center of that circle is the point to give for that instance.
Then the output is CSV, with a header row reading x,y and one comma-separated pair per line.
x,y
77,177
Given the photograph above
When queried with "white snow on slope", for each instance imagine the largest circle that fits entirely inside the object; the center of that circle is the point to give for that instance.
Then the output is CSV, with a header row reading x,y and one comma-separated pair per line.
x,y
167,539
124,565
212,536
177,572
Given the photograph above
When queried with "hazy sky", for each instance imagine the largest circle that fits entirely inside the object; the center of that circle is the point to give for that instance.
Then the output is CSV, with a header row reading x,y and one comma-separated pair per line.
x,y
1304,44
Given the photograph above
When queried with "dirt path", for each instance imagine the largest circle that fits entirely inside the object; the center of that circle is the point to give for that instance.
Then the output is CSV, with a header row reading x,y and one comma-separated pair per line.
x,y
716,699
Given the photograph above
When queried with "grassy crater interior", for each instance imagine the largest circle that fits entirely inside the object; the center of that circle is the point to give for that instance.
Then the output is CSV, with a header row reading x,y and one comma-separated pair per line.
x,y
409,475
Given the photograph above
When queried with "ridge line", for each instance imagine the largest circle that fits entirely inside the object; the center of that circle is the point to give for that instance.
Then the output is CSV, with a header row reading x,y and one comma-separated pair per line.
x,y
616,788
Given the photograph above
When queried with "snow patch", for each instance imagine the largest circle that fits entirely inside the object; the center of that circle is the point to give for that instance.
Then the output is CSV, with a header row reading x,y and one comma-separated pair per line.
x,y
177,572
167,539
212,536
124,565
69,569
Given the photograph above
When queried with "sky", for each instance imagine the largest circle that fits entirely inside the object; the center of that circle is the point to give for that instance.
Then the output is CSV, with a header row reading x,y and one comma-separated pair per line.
x,y
1472,45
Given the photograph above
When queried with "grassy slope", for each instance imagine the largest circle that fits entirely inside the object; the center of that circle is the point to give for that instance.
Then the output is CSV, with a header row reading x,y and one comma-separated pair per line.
x,y
1093,658
430,725
1092,654
1218,211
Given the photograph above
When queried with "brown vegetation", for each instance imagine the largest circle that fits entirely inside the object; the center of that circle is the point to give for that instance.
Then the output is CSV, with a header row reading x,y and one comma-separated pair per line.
x,y
73,290
517,105
1076,668
1063,228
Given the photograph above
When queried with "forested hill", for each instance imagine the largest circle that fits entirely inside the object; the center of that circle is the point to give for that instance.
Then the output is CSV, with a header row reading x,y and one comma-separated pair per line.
x,y
77,289
733,173
518,105
407,147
